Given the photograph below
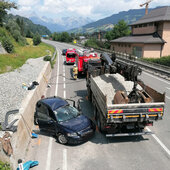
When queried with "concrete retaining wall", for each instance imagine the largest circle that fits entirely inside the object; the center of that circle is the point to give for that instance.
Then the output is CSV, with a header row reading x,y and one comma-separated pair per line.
x,y
21,138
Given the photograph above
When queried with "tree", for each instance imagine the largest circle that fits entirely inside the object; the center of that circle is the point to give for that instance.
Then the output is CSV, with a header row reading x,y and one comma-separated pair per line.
x,y
36,39
29,34
21,25
121,29
4,6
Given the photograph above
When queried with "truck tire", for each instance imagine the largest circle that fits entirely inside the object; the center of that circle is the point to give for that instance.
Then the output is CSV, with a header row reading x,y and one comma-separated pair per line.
x,y
95,112
100,124
89,93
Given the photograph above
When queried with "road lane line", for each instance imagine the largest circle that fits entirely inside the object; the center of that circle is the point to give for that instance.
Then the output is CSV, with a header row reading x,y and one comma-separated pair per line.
x,y
48,162
65,159
56,90
160,143
64,94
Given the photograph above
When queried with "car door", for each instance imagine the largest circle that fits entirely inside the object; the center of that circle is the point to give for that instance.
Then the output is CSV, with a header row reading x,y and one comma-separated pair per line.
x,y
43,118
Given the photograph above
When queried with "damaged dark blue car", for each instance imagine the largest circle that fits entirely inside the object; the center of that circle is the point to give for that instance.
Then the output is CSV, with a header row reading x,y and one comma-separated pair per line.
x,y
58,117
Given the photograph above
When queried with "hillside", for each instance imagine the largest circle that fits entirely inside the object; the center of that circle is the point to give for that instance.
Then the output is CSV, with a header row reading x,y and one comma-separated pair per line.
x,y
107,23
29,25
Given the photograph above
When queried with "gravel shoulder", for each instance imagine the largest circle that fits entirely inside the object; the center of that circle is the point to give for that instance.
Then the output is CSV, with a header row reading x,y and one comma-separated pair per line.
x,y
11,91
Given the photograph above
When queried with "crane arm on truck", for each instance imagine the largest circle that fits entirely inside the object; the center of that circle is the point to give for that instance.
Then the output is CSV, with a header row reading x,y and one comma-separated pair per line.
x,y
109,64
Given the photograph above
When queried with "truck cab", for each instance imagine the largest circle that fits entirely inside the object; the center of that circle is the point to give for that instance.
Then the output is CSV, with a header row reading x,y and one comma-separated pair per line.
x,y
70,56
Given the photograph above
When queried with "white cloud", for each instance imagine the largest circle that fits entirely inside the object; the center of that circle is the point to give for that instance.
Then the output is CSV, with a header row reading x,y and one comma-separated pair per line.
x,y
95,9
29,3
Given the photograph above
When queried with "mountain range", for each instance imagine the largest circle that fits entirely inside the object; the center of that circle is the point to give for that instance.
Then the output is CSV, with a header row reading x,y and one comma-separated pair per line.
x,y
108,23
61,24
86,25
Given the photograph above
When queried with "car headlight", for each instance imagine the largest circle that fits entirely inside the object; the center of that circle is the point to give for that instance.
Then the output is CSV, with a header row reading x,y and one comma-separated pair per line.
x,y
71,134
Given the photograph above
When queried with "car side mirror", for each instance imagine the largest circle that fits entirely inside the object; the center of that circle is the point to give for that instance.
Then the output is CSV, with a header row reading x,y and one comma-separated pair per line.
x,y
78,105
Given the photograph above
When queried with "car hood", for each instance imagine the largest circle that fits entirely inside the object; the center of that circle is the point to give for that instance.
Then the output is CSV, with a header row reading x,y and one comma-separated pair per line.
x,y
77,124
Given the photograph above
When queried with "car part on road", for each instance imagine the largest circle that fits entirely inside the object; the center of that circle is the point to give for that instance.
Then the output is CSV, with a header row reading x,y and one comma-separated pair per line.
x,y
6,144
10,127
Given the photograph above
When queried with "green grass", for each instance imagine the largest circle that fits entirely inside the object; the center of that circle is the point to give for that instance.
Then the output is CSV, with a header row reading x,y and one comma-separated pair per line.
x,y
163,60
4,166
9,62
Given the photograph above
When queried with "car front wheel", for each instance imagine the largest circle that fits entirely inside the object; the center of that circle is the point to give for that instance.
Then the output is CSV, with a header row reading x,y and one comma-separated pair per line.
x,y
62,139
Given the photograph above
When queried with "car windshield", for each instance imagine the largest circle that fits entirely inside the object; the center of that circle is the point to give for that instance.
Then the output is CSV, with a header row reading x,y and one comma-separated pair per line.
x,y
71,55
65,113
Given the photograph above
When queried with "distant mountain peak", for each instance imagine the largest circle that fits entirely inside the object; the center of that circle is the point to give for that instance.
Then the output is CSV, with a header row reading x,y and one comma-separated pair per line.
x,y
60,24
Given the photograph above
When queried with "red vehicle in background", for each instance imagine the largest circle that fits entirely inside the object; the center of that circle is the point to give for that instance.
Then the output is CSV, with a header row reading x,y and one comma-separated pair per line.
x,y
83,58
70,56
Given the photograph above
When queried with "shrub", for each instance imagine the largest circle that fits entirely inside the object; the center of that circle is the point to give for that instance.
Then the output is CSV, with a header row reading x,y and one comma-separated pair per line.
x,y
36,39
4,166
16,34
47,58
7,44
163,60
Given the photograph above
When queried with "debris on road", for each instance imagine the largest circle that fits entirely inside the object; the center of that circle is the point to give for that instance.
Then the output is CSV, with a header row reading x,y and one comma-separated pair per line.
x,y
10,127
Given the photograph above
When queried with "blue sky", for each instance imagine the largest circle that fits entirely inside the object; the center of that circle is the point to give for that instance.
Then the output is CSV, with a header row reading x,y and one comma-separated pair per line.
x,y
95,9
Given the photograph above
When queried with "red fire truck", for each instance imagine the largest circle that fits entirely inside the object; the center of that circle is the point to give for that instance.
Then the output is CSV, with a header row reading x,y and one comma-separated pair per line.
x,y
82,59
71,55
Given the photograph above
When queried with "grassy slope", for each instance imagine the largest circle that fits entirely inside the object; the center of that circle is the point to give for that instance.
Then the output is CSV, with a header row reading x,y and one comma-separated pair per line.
x,y
10,62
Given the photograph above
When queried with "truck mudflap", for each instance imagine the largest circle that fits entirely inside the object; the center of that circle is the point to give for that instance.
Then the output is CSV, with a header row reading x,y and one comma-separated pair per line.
x,y
129,134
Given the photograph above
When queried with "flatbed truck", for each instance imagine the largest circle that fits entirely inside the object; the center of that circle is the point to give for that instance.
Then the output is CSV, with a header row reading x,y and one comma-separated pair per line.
x,y
123,105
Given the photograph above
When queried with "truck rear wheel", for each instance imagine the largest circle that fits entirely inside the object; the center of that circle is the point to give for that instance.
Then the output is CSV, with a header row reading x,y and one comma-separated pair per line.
x,y
100,124
95,112
89,93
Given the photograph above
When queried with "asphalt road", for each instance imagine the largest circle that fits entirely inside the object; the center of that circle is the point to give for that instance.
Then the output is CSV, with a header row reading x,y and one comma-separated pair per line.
x,y
101,153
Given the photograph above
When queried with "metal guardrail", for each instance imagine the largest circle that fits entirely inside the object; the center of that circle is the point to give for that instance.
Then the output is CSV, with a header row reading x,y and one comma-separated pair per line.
x,y
162,71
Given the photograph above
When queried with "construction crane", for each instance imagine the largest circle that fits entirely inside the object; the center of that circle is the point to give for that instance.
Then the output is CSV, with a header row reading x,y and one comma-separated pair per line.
x,y
146,6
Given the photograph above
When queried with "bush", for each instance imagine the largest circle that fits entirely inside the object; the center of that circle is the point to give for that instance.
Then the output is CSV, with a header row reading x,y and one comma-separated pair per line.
x,y
16,34
4,166
47,58
163,60
7,44
36,39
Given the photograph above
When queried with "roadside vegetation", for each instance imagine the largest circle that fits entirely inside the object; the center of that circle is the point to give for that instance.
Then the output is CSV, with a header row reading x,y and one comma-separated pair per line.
x,y
15,60
121,29
19,46
162,61
4,166
94,43
62,37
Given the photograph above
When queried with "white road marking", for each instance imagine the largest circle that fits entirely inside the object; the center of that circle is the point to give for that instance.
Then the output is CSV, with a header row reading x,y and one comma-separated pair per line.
x,y
160,143
64,159
168,97
64,85
56,90
48,162
64,94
